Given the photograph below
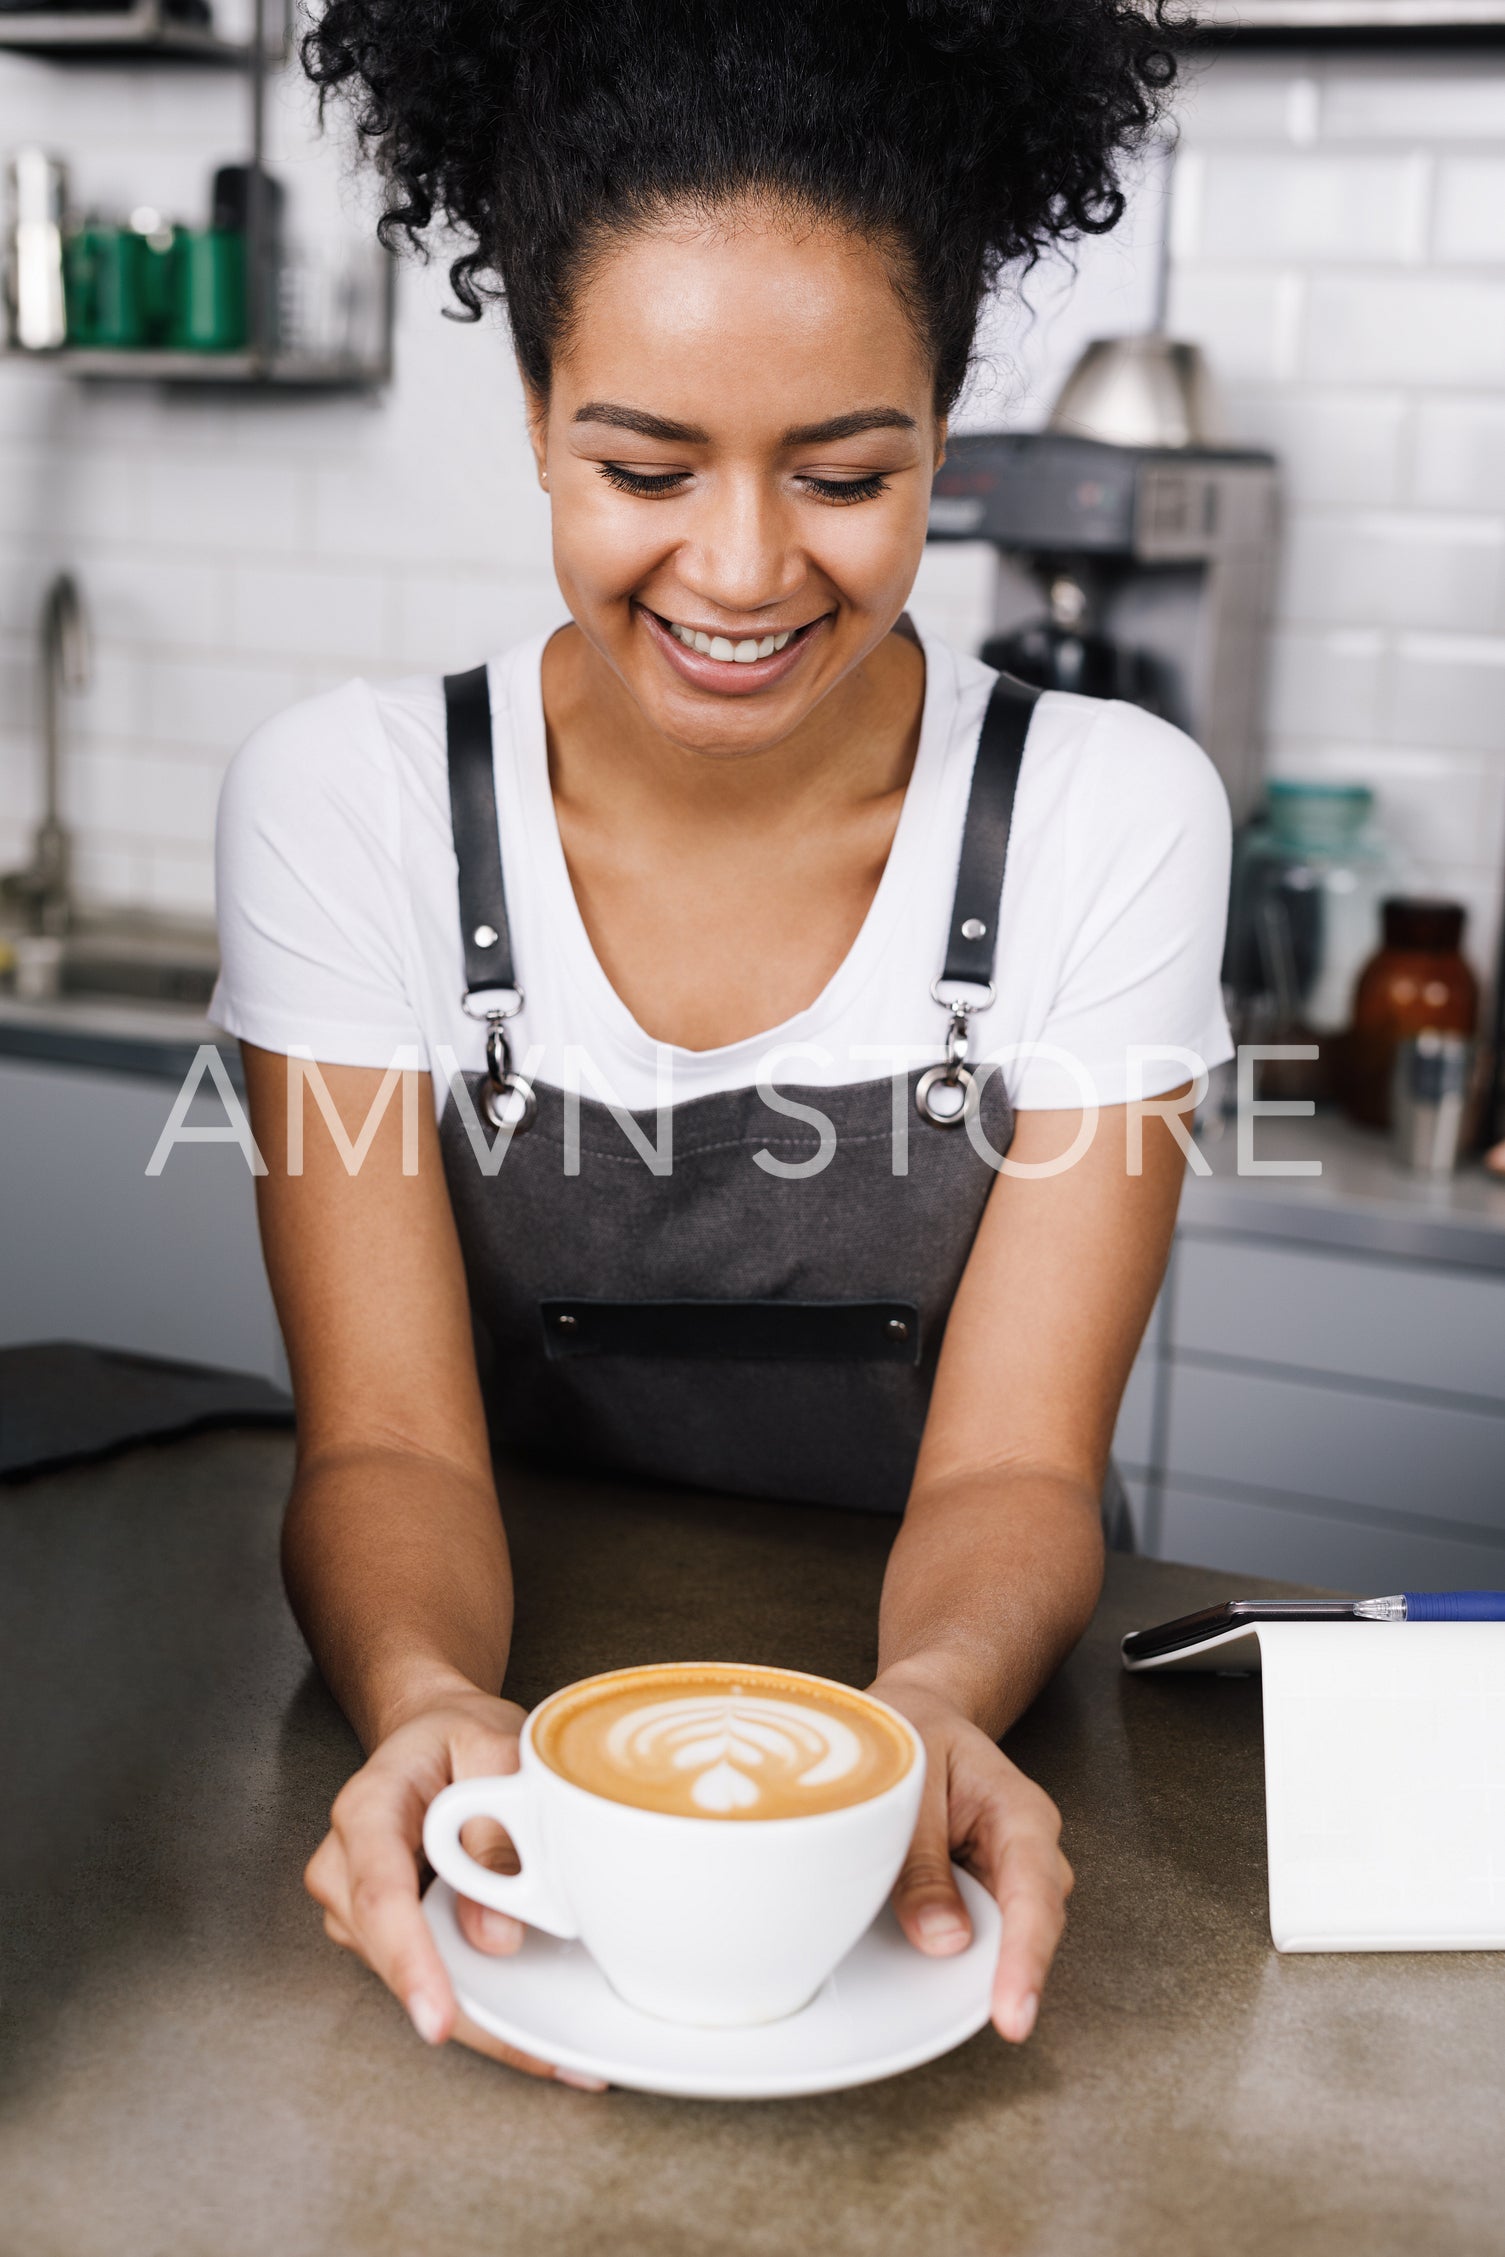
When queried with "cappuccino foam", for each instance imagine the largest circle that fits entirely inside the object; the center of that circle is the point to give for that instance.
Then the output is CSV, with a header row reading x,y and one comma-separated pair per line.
x,y
710,1740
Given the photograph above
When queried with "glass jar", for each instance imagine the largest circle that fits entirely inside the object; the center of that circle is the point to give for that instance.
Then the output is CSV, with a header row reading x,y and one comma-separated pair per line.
x,y
1309,876
1419,982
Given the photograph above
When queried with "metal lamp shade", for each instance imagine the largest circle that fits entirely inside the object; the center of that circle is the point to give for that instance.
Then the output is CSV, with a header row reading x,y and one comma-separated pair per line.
x,y
1140,392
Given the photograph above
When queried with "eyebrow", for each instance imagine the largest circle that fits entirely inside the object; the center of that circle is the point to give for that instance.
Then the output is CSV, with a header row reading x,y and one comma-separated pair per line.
x,y
849,426
638,420
646,426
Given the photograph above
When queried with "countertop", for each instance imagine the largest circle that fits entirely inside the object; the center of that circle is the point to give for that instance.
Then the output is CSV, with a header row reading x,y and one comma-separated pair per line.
x,y
1363,1199
112,1035
192,2068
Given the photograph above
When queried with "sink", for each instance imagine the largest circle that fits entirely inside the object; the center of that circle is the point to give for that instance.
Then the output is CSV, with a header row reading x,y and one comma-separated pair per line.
x,y
141,959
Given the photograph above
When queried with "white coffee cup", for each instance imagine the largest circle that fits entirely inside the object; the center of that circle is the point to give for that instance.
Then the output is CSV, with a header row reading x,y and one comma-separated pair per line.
x,y
712,1921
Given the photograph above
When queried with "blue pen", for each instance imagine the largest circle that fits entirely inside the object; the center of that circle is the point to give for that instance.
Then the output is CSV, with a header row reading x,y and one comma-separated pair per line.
x,y
1434,1606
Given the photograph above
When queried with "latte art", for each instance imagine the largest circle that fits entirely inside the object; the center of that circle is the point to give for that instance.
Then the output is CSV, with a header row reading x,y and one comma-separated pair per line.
x,y
706,1740
736,1750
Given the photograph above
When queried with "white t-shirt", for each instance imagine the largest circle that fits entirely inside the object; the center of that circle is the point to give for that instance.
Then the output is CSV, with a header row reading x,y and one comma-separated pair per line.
x,y
340,925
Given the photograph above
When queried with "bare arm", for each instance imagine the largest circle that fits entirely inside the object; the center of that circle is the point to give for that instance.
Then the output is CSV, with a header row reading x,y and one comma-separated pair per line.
x,y
997,1566
393,1549
998,1563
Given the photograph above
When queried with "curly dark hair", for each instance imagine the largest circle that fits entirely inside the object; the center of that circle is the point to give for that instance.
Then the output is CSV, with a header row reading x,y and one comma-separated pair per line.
x,y
964,134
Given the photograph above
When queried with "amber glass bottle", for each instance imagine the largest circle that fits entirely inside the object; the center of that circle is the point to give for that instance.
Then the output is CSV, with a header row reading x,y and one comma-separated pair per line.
x,y
1419,979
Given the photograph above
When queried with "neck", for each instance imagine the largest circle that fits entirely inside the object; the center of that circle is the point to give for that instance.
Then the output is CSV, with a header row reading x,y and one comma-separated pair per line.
x,y
857,745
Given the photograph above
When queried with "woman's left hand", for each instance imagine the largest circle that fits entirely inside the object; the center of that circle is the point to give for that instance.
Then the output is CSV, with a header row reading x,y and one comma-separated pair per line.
x,y
981,1810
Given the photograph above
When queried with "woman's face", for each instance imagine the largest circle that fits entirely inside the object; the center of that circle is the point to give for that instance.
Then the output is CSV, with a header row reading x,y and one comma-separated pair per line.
x,y
738,443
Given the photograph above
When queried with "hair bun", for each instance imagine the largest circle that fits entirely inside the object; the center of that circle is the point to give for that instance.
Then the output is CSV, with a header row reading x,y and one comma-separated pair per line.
x,y
969,134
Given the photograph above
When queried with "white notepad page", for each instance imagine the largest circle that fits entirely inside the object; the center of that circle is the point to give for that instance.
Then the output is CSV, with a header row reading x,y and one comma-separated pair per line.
x,y
1385,1785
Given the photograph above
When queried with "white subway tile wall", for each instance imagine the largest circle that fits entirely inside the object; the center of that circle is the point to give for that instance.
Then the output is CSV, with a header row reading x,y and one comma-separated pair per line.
x,y
1338,244
1358,202
237,553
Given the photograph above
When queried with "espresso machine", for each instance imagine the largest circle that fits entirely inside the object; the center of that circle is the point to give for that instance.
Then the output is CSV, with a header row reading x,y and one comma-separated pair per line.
x,y
1137,572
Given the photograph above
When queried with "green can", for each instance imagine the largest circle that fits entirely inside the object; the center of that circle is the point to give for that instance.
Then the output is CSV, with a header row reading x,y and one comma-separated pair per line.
x,y
104,285
209,290
161,245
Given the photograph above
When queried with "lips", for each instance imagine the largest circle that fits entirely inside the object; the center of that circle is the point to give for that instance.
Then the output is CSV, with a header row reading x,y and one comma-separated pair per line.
x,y
732,664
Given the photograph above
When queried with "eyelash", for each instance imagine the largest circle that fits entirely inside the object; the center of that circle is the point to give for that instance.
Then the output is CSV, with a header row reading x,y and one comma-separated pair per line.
x,y
652,488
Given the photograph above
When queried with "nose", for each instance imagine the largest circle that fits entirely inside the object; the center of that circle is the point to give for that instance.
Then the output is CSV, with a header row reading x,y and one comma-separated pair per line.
x,y
742,554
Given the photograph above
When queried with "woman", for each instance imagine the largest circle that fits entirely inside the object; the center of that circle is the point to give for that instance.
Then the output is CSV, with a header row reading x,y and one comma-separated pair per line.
x,y
695,913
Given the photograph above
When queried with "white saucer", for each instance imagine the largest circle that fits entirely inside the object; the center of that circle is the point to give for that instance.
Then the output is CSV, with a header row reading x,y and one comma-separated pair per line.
x,y
886,2008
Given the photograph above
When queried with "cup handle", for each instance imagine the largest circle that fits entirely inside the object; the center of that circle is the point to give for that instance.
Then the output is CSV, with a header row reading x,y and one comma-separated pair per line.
x,y
529,1895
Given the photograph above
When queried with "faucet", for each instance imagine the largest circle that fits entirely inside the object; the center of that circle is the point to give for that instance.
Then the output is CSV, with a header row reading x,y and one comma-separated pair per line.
x,y
44,886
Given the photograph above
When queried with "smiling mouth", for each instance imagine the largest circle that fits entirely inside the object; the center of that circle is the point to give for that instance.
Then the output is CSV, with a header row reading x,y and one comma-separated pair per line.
x,y
731,650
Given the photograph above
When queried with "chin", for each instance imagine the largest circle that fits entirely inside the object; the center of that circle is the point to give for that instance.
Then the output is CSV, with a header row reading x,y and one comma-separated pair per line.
x,y
705,726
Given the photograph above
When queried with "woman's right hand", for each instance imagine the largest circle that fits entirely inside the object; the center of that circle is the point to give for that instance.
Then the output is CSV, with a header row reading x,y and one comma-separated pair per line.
x,y
364,1873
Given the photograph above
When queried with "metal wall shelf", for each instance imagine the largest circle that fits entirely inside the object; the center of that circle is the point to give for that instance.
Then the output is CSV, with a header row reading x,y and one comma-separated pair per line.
x,y
1293,22
284,371
145,33
214,369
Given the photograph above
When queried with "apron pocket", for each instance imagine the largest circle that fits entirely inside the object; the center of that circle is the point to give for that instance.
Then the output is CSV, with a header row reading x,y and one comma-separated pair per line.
x,y
868,1332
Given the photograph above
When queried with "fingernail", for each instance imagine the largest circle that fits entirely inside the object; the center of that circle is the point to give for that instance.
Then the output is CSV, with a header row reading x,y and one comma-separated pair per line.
x,y
937,1924
496,1927
1024,2016
427,2018
579,2080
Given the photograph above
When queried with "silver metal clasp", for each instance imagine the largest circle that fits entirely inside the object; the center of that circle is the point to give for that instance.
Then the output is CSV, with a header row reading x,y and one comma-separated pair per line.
x,y
948,1095
508,1100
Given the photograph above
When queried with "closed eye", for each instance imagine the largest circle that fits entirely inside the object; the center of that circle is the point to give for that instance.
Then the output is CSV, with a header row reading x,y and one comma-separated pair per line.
x,y
642,482
863,489
654,485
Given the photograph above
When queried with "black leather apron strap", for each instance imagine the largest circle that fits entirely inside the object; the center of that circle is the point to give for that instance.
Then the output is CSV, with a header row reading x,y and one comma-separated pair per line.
x,y
972,938
478,845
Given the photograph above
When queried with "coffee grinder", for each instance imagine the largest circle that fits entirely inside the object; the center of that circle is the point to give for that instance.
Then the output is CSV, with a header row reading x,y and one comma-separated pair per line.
x,y
1135,572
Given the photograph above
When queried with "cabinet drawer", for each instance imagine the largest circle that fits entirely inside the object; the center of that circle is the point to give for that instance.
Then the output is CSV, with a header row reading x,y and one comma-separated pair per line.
x,y
1428,1461
1301,1545
1407,1324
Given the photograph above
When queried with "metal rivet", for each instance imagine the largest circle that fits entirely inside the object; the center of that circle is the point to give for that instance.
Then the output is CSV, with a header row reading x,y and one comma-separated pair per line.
x,y
484,936
897,1329
973,928
566,1322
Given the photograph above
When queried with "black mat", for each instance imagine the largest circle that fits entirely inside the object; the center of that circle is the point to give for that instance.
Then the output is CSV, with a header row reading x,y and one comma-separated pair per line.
x,y
61,1402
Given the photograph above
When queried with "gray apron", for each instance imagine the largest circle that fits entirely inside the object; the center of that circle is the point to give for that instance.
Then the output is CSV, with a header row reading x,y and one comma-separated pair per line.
x,y
719,1322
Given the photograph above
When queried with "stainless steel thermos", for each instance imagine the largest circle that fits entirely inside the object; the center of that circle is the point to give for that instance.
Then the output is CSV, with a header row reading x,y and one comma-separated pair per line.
x,y
1429,1100
38,191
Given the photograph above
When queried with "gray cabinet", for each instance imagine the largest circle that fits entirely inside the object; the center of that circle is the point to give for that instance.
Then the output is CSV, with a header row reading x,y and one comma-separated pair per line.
x,y
1322,1413
92,1248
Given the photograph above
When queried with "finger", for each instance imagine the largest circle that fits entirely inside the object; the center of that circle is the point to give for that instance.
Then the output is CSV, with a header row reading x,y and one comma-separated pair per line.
x,y
481,2041
926,1898
490,1844
390,1930
486,1927
1031,1890
489,1930
324,1875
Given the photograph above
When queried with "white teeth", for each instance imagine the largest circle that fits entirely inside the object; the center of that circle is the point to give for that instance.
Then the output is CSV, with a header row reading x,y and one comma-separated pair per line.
x,y
721,646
